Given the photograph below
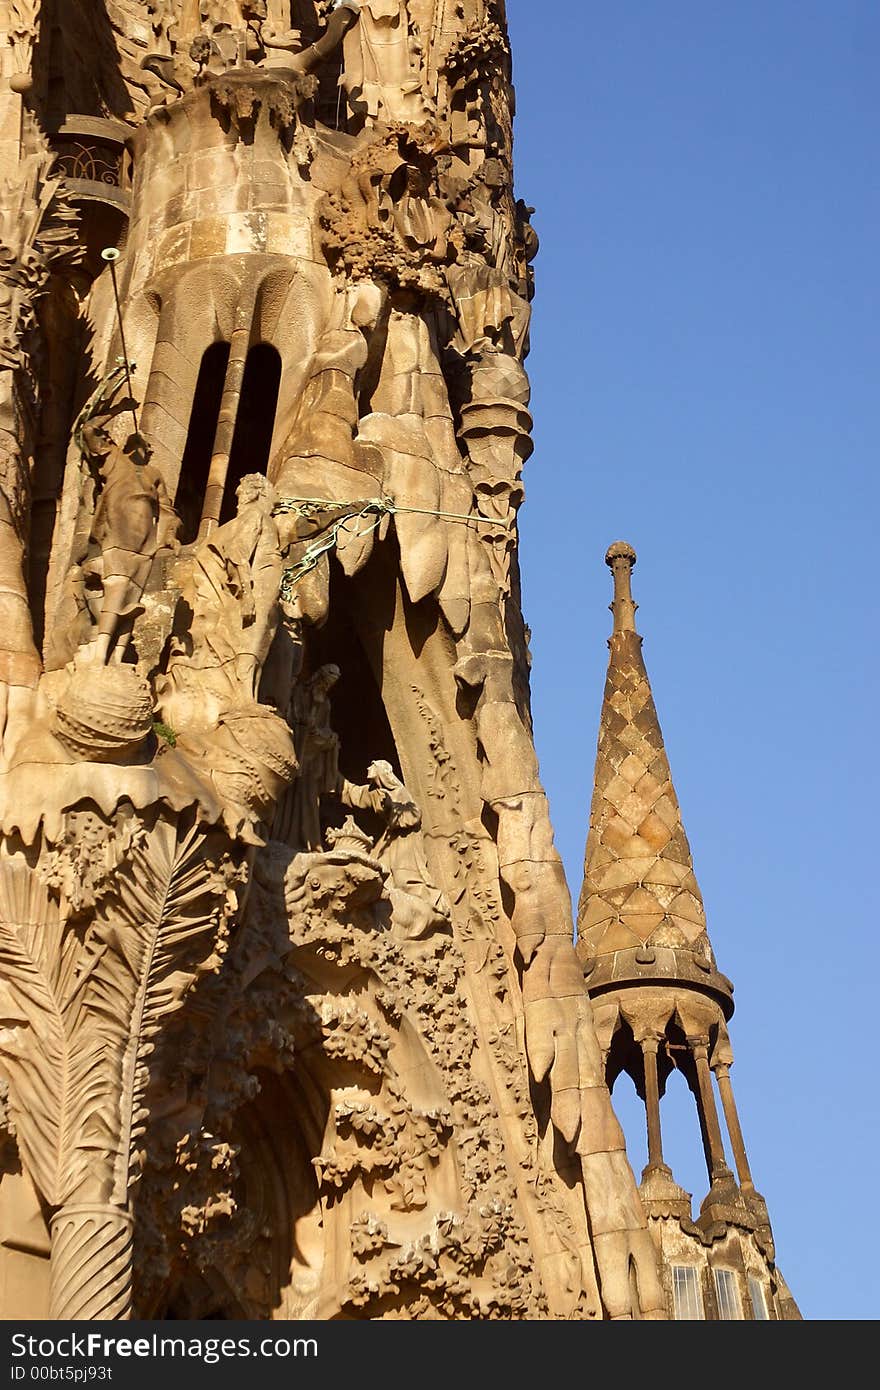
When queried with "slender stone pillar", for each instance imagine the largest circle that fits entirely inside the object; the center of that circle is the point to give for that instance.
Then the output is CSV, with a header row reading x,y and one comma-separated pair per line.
x,y
717,1164
217,473
620,560
652,1102
722,1072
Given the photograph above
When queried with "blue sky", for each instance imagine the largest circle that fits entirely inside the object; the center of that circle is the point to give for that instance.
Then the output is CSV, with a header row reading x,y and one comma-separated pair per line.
x,y
705,385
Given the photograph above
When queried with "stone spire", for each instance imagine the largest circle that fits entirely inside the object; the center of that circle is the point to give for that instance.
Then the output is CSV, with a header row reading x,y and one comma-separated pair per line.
x,y
640,911
660,1004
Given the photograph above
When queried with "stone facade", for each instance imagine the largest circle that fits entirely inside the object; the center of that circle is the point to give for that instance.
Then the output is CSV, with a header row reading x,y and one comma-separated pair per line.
x,y
293,1025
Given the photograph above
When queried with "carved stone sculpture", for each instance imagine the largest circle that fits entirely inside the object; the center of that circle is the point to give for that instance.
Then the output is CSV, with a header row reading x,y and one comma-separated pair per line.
x,y
381,70
133,523
292,1021
299,820
36,241
417,905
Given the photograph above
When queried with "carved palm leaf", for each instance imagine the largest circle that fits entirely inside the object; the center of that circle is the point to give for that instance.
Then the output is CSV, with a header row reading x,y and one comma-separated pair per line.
x,y
156,938
34,1042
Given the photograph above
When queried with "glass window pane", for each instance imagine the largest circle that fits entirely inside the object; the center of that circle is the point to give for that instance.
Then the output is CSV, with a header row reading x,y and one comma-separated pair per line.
x,y
686,1296
728,1295
759,1302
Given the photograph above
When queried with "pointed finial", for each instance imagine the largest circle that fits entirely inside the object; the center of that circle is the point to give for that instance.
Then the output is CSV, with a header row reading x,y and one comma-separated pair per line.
x,y
620,558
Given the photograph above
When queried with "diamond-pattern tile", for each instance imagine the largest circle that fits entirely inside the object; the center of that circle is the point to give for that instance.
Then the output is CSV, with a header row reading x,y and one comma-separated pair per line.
x,y
596,912
616,833
632,810
642,923
640,900
635,848
669,934
617,937
632,769
639,882
666,807
664,872
664,894
655,831
617,792
686,906
618,873
648,788
617,897
678,848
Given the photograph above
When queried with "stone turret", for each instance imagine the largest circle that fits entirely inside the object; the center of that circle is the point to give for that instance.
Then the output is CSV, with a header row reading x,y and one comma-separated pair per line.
x,y
641,917
659,1000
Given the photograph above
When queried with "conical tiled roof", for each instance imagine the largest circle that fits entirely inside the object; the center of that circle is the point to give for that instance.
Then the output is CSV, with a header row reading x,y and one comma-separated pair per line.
x,y
639,890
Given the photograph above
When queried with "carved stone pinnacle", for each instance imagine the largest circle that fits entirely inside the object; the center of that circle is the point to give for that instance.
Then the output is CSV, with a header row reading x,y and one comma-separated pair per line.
x,y
621,558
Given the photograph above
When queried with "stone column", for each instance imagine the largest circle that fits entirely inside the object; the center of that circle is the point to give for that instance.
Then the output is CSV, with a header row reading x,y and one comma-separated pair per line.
x,y
717,1164
216,485
649,1047
722,1072
90,1271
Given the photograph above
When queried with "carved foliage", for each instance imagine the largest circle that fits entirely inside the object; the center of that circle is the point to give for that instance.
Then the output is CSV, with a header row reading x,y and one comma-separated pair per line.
x,y
37,235
388,220
82,1015
456,1266
381,1148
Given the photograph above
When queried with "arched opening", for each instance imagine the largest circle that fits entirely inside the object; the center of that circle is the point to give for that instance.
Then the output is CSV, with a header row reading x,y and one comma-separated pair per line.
x,y
359,715
682,1146
625,1056
630,1111
200,440
634,1295
268,1260
359,718
254,421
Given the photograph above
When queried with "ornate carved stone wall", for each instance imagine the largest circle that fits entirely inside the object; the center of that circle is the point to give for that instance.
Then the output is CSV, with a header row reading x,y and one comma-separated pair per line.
x,y
292,1022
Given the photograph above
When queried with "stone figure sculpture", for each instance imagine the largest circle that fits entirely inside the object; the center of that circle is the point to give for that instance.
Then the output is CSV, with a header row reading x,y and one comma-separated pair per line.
x,y
299,820
418,906
133,523
232,591
381,68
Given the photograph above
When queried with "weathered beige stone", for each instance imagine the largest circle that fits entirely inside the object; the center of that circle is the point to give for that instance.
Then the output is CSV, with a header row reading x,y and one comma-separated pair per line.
x,y
295,1025
203,771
